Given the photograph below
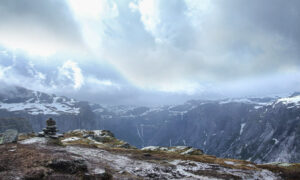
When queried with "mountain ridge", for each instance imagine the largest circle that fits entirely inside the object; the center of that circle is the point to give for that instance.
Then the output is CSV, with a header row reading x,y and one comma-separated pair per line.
x,y
257,129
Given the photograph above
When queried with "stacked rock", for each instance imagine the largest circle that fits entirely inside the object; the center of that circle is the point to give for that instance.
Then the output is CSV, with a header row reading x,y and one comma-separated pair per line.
x,y
50,130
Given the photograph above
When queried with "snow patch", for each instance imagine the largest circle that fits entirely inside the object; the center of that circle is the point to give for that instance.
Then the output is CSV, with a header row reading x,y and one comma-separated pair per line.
x,y
97,132
229,162
290,100
246,101
154,148
257,107
242,128
70,139
179,148
35,140
276,140
185,167
191,150
98,171
40,108
285,164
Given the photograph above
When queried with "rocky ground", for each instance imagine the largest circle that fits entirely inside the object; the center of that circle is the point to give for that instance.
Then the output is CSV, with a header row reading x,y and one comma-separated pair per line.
x,y
99,155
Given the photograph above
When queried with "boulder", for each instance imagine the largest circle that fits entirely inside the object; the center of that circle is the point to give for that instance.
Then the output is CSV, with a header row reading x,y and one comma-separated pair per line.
x,y
68,166
41,134
36,173
9,136
102,176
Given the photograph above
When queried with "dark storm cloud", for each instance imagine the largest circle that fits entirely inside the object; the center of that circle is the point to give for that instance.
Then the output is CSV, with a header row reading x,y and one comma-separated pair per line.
x,y
270,15
276,19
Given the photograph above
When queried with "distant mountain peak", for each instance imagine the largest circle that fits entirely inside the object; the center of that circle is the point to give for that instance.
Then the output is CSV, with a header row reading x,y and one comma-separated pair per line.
x,y
35,102
295,94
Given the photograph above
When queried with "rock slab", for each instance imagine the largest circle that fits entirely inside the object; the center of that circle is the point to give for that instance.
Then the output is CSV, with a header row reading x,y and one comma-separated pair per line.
x,y
9,136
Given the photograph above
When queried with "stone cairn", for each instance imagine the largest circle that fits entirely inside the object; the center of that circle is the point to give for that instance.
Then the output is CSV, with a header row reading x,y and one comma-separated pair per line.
x,y
50,130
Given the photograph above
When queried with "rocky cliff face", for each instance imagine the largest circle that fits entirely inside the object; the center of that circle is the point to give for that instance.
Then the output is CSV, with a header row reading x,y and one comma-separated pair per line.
x,y
257,129
19,124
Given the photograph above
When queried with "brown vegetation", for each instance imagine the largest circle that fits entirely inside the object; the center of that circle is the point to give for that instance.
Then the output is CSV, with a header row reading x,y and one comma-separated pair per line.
x,y
291,172
32,163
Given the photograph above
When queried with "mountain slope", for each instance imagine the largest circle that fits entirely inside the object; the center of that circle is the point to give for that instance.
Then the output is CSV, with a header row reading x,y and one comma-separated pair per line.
x,y
37,107
256,129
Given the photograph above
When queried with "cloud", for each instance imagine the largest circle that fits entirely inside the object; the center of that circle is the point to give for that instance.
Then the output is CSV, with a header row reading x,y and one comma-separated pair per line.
x,y
67,78
94,9
186,48
196,42
70,71
39,27
102,83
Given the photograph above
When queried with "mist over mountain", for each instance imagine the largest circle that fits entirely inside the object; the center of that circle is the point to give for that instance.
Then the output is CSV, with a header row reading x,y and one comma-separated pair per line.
x,y
256,129
182,89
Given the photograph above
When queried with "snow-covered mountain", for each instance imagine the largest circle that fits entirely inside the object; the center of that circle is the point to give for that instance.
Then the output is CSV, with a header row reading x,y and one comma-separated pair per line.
x,y
35,102
37,107
256,129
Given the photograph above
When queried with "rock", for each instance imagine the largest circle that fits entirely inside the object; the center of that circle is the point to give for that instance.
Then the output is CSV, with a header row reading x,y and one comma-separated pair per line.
x,y
107,133
178,148
41,134
154,148
56,136
9,136
36,173
50,130
147,155
3,167
102,176
53,136
192,151
152,175
86,135
125,145
183,150
50,122
68,166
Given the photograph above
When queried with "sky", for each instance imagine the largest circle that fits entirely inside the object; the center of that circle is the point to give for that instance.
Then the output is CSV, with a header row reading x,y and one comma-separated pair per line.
x,y
151,52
